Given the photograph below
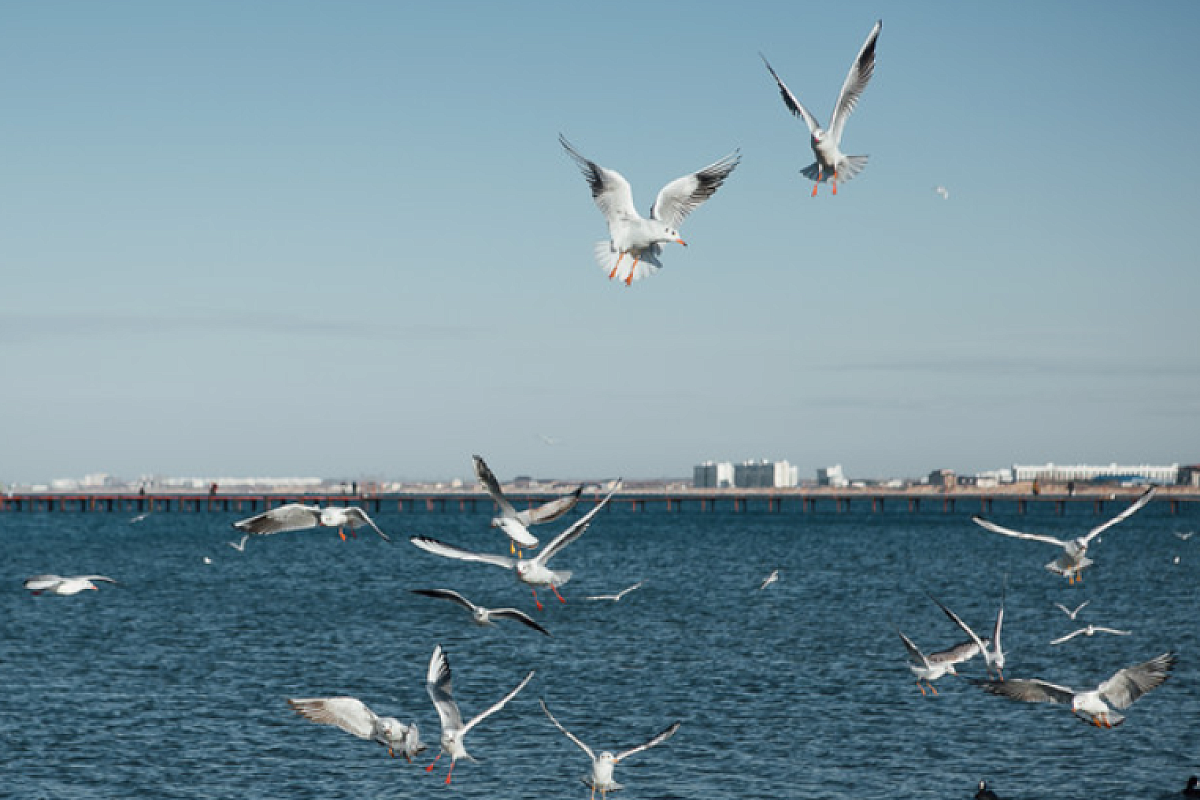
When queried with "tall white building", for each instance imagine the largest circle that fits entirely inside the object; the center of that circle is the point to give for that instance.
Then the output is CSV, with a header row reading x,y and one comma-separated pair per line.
x,y
832,476
765,475
712,475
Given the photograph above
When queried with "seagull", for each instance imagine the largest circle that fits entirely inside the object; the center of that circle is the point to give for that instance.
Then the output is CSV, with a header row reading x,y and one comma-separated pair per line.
x,y
985,793
616,597
353,716
1184,535
534,571
240,546
481,615
993,654
453,729
603,765
296,516
831,164
632,235
1121,690
58,585
1074,558
943,191
139,518
930,667
1090,630
516,523
772,578
1069,612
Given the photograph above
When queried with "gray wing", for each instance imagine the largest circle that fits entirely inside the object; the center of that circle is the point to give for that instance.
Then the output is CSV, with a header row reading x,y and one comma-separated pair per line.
x,y
610,190
1036,537
575,531
94,578
964,651
441,692
501,703
552,510
446,594
1145,498
492,486
519,616
657,740
1029,690
450,551
1132,682
791,102
579,742
358,517
348,713
684,195
914,652
856,81
291,517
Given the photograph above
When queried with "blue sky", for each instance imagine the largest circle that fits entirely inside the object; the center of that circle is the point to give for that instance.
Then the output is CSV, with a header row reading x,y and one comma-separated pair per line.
x,y
340,239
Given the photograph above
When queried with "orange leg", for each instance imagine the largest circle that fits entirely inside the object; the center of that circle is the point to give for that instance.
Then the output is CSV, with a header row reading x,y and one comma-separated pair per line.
x,y
922,688
431,763
834,182
818,183
341,534
450,774
629,279
554,589
613,274
537,602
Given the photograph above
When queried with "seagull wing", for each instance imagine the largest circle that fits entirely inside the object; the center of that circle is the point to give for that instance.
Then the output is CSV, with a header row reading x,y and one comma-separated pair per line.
x,y
501,703
958,621
38,583
519,616
1036,537
358,517
657,740
94,578
488,478
1113,631
548,512
290,517
856,81
789,100
575,531
446,594
567,733
450,551
964,651
1146,497
914,652
1068,637
348,713
1128,684
1029,690
610,190
684,195
629,589
441,692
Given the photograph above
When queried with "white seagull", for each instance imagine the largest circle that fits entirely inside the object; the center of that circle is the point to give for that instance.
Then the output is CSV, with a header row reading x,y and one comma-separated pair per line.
x,y
1119,691
930,667
516,523
297,516
353,716
1074,558
241,545
1090,630
772,578
453,729
630,234
831,164
481,615
993,653
616,597
603,765
63,586
1072,613
533,571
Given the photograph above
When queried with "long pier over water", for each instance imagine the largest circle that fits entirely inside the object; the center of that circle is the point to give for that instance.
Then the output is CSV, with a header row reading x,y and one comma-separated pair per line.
x,y
1178,500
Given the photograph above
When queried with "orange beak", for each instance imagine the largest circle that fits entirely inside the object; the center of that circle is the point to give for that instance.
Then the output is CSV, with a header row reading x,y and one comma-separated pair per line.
x,y
682,242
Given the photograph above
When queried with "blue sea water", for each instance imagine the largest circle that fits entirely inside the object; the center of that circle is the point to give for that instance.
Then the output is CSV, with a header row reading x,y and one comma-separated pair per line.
x,y
173,684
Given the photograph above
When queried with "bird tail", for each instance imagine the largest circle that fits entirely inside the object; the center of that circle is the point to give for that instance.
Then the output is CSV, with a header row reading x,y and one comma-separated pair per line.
x,y
618,266
561,577
847,169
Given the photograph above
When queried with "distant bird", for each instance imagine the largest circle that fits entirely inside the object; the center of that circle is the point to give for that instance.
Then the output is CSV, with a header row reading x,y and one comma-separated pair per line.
x,y
1193,787
353,716
481,615
633,236
1074,558
550,441
1069,612
532,572
438,684
831,164
240,546
943,191
616,597
1090,630
1119,691
515,524
1185,535
601,776
929,668
985,793
296,516
993,653
139,518
767,581
58,585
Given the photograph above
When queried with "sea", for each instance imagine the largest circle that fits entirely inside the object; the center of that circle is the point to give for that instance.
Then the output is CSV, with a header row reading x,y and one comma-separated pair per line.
x,y
174,682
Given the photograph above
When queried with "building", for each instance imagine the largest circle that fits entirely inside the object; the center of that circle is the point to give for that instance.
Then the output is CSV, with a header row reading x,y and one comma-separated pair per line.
x,y
765,475
832,476
1116,473
711,475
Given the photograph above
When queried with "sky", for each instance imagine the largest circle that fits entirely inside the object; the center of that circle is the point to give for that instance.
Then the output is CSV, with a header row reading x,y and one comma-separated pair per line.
x,y
340,239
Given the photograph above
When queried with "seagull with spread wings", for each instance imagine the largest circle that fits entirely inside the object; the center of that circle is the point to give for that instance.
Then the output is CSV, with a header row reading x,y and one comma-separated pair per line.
x,y
633,236
480,614
1090,630
354,716
1074,558
929,668
297,516
63,586
832,165
514,523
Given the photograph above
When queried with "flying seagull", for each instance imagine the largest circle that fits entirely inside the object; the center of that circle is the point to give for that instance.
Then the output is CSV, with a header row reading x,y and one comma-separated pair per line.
x,y
1072,613
63,586
353,716
533,571
1093,705
616,597
453,729
993,653
632,235
930,667
296,516
603,765
515,524
1090,630
481,615
1074,558
832,165
240,546
767,581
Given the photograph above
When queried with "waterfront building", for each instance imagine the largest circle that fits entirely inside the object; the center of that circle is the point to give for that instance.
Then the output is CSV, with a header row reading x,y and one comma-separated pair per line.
x,y
713,475
1053,473
765,475
832,476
